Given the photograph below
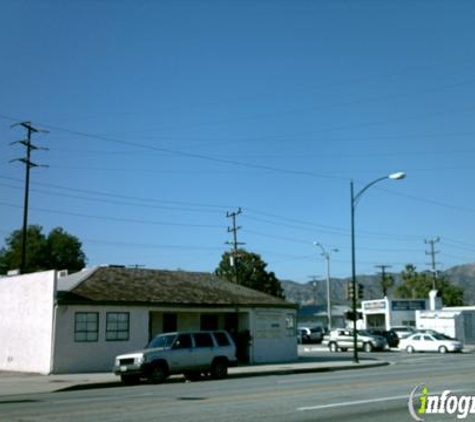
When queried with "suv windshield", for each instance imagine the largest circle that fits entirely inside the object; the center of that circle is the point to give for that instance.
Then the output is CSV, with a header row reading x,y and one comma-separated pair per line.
x,y
163,341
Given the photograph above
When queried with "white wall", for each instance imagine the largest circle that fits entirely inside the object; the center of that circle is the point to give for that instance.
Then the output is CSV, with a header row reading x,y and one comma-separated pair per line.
x,y
71,356
26,322
273,339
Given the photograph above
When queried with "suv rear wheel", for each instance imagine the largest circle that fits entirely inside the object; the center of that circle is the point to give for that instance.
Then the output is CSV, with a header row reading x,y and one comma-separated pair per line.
x,y
219,369
333,347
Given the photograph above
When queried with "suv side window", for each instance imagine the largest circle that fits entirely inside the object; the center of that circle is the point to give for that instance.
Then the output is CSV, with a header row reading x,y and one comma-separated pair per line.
x,y
203,340
221,339
183,342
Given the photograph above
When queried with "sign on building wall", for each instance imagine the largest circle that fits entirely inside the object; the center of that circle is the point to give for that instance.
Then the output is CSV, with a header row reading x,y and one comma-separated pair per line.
x,y
374,306
270,325
408,305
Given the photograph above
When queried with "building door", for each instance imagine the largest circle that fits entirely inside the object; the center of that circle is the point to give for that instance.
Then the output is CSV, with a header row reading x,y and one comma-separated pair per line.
x,y
169,324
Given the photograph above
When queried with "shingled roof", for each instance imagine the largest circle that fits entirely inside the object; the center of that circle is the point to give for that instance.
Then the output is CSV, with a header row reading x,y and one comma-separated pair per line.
x,y
115,285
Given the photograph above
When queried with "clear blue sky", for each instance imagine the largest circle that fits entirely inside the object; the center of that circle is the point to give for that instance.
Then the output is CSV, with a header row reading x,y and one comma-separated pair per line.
x,y
165,115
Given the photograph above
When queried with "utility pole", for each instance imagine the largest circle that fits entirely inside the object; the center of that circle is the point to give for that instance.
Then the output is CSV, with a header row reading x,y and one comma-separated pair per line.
x,y
326,254
234,229
28,165
383,278
432,253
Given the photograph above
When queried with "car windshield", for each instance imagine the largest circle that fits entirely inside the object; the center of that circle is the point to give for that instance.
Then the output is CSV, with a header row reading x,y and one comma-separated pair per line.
x,y
162,341
440,336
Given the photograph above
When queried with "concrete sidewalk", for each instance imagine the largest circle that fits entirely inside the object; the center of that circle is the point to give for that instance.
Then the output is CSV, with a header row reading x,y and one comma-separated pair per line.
x,y
14,383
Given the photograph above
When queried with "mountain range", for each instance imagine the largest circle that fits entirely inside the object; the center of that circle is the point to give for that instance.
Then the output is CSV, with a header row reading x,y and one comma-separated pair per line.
x,y
312,292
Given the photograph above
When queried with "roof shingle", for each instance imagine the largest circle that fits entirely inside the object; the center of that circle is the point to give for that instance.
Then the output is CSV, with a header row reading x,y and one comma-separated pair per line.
x,y
145,286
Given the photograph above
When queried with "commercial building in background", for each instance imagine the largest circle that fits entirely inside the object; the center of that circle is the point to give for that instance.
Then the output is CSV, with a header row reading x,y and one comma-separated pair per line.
x,y
386,313
80,322
428,314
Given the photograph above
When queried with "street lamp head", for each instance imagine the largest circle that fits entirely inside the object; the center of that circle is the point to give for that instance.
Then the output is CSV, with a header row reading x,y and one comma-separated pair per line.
x,y
397,176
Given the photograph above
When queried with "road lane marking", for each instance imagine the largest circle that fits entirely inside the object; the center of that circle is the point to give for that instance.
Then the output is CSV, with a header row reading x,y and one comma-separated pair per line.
x,y
366,401
353,403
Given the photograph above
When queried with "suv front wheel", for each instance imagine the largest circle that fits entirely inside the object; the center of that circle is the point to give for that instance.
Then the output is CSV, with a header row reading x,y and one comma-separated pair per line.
x,y
159,373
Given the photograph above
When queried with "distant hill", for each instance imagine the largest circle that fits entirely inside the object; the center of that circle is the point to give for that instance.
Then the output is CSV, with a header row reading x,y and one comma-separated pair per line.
x,y
305,293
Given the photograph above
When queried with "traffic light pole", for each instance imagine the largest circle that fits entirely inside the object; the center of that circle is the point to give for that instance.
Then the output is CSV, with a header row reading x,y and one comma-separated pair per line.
x,y
353,274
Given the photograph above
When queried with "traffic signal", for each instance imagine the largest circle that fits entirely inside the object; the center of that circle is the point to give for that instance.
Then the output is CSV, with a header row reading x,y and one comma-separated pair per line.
x,y
349,290
360,291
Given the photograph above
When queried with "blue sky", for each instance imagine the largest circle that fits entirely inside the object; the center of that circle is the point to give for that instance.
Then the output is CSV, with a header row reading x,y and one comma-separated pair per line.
x,y
165,115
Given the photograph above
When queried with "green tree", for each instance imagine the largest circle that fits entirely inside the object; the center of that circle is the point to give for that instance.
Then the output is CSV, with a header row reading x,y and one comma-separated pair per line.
x,y
249,270
59,250
418,285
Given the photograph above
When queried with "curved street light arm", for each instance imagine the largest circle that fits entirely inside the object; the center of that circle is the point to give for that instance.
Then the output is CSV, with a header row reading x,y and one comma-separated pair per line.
x,y
358,195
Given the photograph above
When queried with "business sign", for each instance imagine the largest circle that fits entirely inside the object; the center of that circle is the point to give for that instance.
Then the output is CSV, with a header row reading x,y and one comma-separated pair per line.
x,y
408,305
269,325
374,306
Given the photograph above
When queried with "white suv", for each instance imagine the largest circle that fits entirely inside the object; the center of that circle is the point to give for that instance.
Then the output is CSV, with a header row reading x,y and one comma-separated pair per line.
x,y
190,353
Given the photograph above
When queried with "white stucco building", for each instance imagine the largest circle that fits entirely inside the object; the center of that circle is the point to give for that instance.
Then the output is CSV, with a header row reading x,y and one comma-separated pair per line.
x,y
386,313
80,322
455,321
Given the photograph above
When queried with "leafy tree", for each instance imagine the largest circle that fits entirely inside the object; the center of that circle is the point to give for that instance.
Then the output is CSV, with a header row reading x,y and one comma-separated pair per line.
x,y
59,250
248,269
418,285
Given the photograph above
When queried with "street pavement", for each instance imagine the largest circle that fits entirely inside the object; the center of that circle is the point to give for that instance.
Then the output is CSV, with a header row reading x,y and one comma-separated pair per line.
x,y
15,383
312,358
371,394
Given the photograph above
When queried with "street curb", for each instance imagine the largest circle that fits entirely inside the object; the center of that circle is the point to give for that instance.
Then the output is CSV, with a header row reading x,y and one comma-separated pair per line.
x,y
278,371
292,371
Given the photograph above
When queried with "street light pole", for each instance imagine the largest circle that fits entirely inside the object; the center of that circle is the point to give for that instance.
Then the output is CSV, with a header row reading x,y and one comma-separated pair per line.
x,y
353,274
354,202
326,255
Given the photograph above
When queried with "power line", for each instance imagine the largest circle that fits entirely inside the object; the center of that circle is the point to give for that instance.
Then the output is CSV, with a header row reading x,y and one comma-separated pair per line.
x,y
117,219
114,195
193,155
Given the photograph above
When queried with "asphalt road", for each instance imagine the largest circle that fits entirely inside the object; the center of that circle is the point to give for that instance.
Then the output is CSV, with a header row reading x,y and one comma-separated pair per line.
x,y
360,395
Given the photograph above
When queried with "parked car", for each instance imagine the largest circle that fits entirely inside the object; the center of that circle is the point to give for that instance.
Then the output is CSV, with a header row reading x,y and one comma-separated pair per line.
x,y
390,336
190,353
420,342
403,331
311,335
430,331
342,339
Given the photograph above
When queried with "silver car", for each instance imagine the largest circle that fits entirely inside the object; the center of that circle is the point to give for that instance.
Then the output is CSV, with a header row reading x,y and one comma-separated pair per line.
x,y
190,353
342,339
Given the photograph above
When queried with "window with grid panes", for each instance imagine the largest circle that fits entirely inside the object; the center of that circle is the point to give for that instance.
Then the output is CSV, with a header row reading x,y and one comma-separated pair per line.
x,y
117,326
86,326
